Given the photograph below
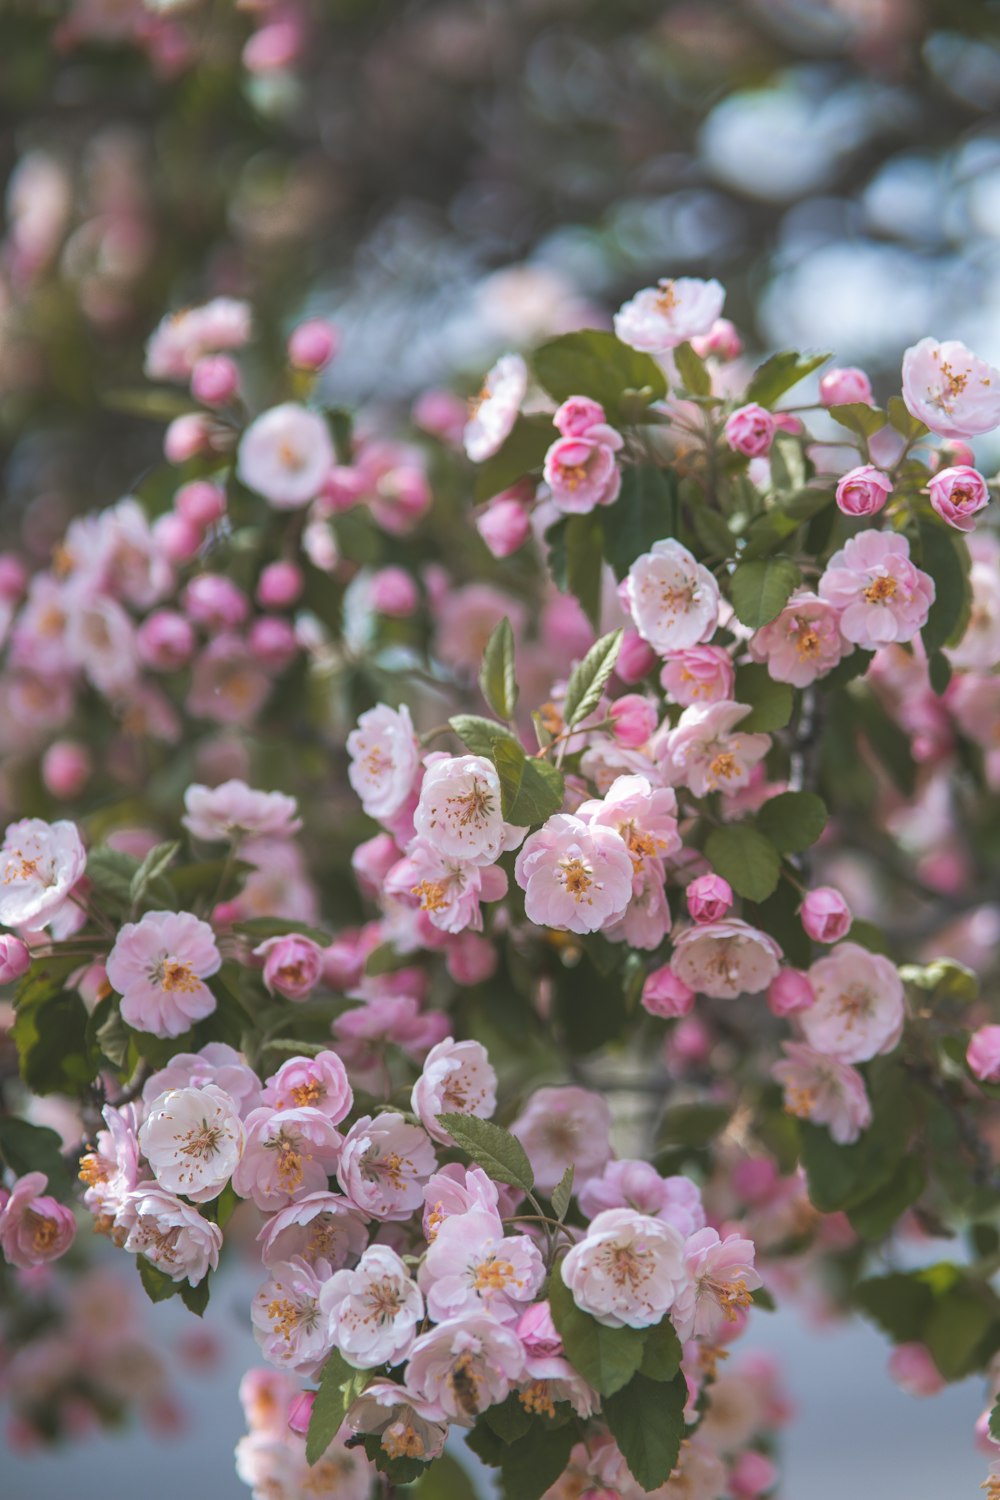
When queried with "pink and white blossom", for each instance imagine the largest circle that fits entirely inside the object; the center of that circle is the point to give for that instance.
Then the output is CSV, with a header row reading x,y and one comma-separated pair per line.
x,y
182,338
158,965
672,599
321,1226
34,1227
289,1153
644,817
171,1234
661,317
318,1082
193,1139
637,1185
285,455
721,1278
628,1270
563,1127
373,1312
216,1063
289,1323
494,411
449,892
385,759
725,959
701,674
825,1090
472,1266
456,1078
881,596
575,875
803,644
233,811
983,1054
950,389
408,1427
958,494
581,472
40,864
465,1365
293,965
859,1010
706,753
455,1190
384,1164
458,810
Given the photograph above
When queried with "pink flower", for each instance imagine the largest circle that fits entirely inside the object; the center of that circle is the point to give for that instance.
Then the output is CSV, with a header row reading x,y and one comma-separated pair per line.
x,y
665,994
672,599
722,340
701,674
408,1427
215,380
288,1322
158,965
863,491
15,958
456,1079
633,719
472,1266
644,816
844,387
578,416
983,1054
582,473
321,1226
725,959
374,1311
228,683
562,1127
788,992
825,1090
646,920
957,494
750,430
193,1139
293,965
950,390
182,338
458,810
752,1474
627,1271
233,811
449,891
289,1153
494,411
172,1234
312,344
635,658
881,596
34,1228
859,1005
637,1185
385,759
217,1064
804,642
40,864
465,1365
575,876
825,915
704,754
393,592
285,455
709,898
505,525
661,317
384,1164
721,1278
455,1190
311,1083
914,1371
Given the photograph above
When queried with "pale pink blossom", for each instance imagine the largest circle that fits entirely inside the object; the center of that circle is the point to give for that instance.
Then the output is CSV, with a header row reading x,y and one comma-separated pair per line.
x,y
914,1371
708,898
979,648
578,416
788,992
646,920
40,864
408,1427
706,752
456,1078
505,524
672,599
661,317
563,1127
845,386
318,1082
465,1365
447,891
581,472
373,1312
182,338
193,1139
637,1185
158,965
825,1090
549,1379
234,811
635,659
385,759
881,596
958,494
293,965
575,875
701,674
633,719
289,1153
289,1324
472,1266
628,1270
459,808
644,816
726,959
466,617
228,682
804,642
285,455
664,993
455,1190
721,1277
384,1165
750,430
34,1228
113,1170
171,1234
494,411
859,1009
216,1063
950,390
15,958
983,1054
321,1226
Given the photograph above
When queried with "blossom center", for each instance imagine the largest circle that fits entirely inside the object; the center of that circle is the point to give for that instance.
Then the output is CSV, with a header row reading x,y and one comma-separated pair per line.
x,y
400,1440
493,1274
286,1315
202,1141
666,299
307,1095
473,806
535,1398
176,974
289,1160
627,1266
881,589
577,877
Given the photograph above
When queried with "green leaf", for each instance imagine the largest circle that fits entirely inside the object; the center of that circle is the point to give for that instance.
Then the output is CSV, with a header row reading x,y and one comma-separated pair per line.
x,y
509,1420
771,702
661,1353
607,1358
478,734
588,678
499,1153
875,1217
496,676
445,1479
903,420
523,452
646,1419
510,760
760,589
398,1471
158,403
562,1194
945,556
693,1124
995,1422
595,363
645,512
697,380
843,1177
745,858
195,1298
793,821
51,1039
157,1284
156,863
336,1392
111,873
576,560
533,1464
939,672
530,790
858,417
262,928
779,373
35,1148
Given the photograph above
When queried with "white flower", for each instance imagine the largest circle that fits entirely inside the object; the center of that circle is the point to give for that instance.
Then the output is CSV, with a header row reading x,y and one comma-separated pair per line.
x,y
661,317
373,1312
726,958
288,1321
495,409
459,808
171,1234
285,455
385,757
39,865
628,1270
193,1140
457,1079
234,811
672,599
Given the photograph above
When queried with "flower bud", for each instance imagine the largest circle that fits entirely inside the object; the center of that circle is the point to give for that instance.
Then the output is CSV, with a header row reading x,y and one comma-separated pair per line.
x,y
504,526
537,1331
790,991
578,415
709,898
636,658
279,585
300,1411
293,965
15,958
177,538
201,504
165,640
751,1475
750,430
983,1054
957,494
66,768
633,720
215,380
845,386
863,491
914,1371
273,642
13,576
186,437
665,994
825,915
312,345
722,340
214,601
393,592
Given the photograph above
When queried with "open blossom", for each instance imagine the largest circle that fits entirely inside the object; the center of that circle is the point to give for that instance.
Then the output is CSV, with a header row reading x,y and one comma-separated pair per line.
x,y
858,1010
643,815
721,1278
455,1190
494,411
639,1186
182,338
39,865
563,1127
646,920
34,1227
408,1427
661,317
456,1079
459,808
234,811
385,758
628,1270
216,1063
158,965
803,644
472,1266
958,494
950,389
824,1090
448,891
384,1165
574,875
321,1226
706,753
172,1234
193,1139
863,491
672,599
113,1170
374,1311
881,596
726,959
288,1153
581,472
288,1322
750,430
311,1083
285,455
293,965
700,674
465,1365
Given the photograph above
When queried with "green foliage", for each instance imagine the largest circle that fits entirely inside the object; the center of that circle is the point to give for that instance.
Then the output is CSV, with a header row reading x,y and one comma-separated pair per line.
x,y
50,1033
111,873
792,820
859,418
157,1285
522,453
339,1383
495,1150
589,677
779,373
692,370
771,702
597,364
533,1464
947,1308
445,1479
745,858
575,560
478,735
147,877
607,1358
35,1148
646,1419
562,1193
760,589
944,554
497,677
645,512
661,1352
531,790
849,1177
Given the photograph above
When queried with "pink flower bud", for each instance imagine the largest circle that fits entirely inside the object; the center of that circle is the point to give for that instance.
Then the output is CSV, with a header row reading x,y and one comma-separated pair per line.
x,y
845,386
186,437
665,994
754,1178
200,503
165,640
825,915
578,415
504,526
863,491
701,674
751,1475
442,414
709,898
788,992
66,768
372,861
957,452
13,576
636,658
15,958
177,538
957,494
293,965
215,380
470,958
537,1331
280,584
214,601
273,642
344,488
750,430
300,1411
344,961
914,1371
722,340
690,1042
633,720
983,1054
394,593
312,345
